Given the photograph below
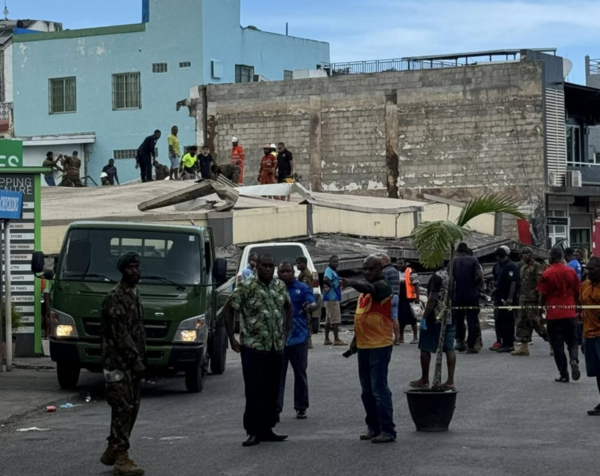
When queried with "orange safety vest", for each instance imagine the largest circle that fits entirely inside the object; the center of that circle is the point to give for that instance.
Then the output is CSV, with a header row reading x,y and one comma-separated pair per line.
x,y
411,290
373,326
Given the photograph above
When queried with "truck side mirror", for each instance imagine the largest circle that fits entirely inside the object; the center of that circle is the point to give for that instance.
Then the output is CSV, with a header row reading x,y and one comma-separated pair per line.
x,y
37,262
49,274
220,271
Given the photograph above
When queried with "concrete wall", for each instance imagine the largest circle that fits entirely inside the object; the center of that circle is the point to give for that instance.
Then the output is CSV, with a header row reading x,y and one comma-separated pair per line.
x,y
441,211
178,31
453,132
266,224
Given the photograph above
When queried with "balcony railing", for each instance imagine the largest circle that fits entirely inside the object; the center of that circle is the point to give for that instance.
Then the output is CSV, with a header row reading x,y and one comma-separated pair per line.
x,y
427,62
595,66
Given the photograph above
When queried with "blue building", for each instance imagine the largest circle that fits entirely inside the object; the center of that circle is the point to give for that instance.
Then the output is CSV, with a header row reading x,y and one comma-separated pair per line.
x,y
101,91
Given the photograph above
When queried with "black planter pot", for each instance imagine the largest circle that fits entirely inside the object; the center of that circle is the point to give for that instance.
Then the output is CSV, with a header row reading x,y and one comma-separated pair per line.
x,y
431,410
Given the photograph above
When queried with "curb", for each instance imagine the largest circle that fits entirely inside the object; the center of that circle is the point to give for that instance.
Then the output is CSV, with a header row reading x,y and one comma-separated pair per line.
x,y
34,411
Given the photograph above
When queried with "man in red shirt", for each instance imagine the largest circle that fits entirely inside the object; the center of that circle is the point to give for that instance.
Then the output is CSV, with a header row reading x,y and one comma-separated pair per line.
x,y
559,291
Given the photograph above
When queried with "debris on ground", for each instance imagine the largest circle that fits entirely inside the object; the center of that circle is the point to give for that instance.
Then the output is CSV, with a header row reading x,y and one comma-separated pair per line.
x,y
34,428
51,409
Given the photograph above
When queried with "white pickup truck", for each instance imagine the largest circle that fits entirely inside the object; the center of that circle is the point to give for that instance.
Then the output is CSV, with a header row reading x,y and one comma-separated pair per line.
x,y
282,252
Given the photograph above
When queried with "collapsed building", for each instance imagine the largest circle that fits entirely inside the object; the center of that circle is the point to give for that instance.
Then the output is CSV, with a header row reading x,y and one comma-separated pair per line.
x,y
453,126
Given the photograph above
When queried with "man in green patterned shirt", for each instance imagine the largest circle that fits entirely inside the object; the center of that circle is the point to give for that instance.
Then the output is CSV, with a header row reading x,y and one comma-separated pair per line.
x,y
261,300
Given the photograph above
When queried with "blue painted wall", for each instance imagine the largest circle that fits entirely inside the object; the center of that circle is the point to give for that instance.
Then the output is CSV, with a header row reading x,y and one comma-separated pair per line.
x,y
93,56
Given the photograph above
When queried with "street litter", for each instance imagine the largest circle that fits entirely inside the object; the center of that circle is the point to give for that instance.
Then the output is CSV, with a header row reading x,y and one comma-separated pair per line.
x,y
68,405
35,428
173,438
51,409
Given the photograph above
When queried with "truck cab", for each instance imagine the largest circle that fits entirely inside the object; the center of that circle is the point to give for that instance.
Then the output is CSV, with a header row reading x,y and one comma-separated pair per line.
x,y
179,276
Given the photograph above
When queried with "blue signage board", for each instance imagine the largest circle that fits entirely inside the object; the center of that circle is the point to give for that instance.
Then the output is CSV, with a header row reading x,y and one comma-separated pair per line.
x,y
11,205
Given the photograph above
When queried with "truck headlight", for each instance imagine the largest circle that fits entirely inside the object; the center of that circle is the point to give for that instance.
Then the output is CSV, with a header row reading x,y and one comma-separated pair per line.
x,y
63,325
189,330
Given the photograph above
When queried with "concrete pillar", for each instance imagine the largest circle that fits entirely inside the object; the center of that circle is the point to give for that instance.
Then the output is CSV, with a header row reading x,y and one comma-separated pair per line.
x,y
392,140
316,175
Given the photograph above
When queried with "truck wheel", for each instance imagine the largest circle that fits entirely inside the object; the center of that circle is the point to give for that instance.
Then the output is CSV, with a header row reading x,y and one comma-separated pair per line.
x,y
316,325
68,375
195,377
218,354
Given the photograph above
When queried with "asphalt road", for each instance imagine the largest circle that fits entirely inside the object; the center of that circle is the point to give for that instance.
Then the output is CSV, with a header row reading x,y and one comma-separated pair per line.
x,y
511,419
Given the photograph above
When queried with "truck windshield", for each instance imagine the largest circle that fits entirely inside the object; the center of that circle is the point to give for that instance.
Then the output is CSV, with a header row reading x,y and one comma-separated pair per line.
x,y
92,255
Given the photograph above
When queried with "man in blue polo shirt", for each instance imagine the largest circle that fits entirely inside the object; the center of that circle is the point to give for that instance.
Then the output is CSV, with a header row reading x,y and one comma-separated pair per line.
x,y
296,346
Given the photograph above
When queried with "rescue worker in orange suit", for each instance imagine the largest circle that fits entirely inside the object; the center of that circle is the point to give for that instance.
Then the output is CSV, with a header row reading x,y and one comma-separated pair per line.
x,y
268,166
409,293
238,157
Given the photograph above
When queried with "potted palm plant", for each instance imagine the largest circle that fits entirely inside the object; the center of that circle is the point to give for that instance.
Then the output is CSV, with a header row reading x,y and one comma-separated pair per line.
x,y
17,323
432,409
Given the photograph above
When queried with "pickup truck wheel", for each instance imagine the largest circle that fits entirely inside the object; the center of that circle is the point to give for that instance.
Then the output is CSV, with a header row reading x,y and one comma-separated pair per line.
x,y
195,378
218,354
68,375
316,325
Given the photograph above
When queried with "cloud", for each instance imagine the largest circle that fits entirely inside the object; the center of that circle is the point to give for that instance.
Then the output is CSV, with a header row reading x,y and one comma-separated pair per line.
x,y
379,29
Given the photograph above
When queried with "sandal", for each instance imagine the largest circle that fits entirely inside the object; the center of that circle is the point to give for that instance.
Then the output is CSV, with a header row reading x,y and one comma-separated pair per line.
x,y
368,436
327,342
448,387
595,411
414,341
382,439
340,343
562,380
418,384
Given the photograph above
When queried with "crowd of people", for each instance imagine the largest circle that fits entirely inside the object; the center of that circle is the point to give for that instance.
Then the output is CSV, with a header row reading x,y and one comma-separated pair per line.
x,y
193,163
276,165
275,313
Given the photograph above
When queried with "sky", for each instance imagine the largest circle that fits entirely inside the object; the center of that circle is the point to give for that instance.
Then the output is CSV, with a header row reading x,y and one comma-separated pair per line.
x,y
382,29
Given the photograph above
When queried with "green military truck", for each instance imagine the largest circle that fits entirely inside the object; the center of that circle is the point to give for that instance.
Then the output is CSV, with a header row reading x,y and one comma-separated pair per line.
x,y
180,274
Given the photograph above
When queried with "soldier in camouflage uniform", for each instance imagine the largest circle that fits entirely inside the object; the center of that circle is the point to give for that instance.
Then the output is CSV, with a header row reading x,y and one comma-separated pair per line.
x,y
72,170
530,319
123,360
260,300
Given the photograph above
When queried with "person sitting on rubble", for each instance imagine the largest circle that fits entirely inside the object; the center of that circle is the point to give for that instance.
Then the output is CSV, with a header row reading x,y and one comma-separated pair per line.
x,y
162,171
230,171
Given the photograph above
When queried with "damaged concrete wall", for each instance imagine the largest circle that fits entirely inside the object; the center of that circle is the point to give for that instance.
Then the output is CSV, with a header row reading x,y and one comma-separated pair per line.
x,y
454,132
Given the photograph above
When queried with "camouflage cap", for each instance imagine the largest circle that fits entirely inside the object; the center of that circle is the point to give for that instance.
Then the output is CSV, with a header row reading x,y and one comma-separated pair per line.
x,y
128,258
526,251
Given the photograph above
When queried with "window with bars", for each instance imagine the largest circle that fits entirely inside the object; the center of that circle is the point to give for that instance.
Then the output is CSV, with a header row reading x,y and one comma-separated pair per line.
x,y
288,75
160,68
127,91
244,74
62,96
125,154
185,64
128,154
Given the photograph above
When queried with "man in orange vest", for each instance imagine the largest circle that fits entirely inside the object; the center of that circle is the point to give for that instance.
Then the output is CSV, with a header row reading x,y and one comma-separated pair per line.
x,y
268,166
373,342
238,157
409,293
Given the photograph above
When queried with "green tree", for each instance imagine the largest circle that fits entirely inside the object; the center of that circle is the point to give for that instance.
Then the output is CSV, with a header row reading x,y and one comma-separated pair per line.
x,y
436,240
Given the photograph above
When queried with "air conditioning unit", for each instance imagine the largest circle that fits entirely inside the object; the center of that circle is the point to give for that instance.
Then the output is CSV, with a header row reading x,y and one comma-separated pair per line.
x,y
259,78
574,178
554,179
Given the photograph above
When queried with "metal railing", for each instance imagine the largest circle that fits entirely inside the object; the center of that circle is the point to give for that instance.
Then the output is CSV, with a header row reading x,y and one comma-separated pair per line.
x,y
382,66
594,66
427,62
5,111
